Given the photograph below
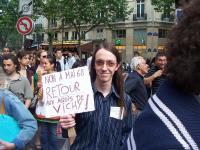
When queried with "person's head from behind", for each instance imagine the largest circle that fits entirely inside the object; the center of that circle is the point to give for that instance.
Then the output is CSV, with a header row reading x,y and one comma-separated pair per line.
x,y
184,50
139,64
49,62
58,53
23,58
6,51
10,64
161,60
78,63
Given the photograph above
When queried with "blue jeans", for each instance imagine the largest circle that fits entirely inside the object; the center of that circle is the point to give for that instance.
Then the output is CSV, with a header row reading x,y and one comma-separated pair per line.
x,y
48,136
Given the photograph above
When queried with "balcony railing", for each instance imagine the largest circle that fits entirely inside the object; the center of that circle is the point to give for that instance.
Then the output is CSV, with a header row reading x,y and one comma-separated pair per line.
x,y
38,26
167,18
136,18
54,25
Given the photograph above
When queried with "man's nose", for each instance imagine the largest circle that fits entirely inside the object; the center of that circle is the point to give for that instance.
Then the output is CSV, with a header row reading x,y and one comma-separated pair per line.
x,y
105,66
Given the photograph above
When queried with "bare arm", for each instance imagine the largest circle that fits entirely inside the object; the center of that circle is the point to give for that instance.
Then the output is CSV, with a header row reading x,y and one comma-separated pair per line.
x,y
6,145
148,80
27,103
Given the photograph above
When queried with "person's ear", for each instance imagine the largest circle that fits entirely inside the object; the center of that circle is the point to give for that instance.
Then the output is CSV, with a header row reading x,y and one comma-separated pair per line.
x,y
117,67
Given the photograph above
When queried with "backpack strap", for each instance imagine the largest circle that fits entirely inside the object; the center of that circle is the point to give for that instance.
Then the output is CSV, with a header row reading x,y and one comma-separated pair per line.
x,y
2,106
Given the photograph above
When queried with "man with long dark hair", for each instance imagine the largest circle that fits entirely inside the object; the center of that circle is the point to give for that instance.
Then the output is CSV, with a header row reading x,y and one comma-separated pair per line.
x,y
19,85
100,129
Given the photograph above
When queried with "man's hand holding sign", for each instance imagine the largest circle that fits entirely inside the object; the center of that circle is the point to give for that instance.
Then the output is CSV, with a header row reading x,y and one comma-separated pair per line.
x,y
66,93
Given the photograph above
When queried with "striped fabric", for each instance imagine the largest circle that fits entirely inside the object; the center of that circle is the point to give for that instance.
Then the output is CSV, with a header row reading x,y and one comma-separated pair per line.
x,y
97,131
131,142
157,81
173,123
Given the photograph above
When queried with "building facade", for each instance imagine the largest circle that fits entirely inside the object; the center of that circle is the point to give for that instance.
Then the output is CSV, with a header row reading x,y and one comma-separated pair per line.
x,y
144,31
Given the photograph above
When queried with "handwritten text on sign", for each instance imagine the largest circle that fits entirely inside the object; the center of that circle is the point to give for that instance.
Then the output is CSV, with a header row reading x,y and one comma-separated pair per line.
x,y
67,92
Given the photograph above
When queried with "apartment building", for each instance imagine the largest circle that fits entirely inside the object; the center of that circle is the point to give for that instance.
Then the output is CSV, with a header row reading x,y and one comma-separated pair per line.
x,y
144,31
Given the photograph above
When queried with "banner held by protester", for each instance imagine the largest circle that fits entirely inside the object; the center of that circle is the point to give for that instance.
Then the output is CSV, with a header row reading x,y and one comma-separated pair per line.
x,y
67,92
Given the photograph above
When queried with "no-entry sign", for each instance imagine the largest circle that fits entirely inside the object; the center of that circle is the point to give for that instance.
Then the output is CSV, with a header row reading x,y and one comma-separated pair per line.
x,y
24,25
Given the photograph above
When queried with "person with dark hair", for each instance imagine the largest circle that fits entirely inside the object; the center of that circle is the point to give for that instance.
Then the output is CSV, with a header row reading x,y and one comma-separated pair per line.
x,y
14,108
172,117
155,77
100,130
5,51
61,61
48,126
78,63
24,69
19,84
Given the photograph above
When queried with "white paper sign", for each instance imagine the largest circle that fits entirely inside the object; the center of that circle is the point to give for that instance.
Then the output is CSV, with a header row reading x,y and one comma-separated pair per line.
x,y
67,92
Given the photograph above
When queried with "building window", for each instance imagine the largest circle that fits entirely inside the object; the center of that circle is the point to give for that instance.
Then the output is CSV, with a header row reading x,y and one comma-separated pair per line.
x,y
34,37
53,23
74,35
99,33
99,30
83,34
66,37
140,9
56,36
119,34
162,33
42,37
140,36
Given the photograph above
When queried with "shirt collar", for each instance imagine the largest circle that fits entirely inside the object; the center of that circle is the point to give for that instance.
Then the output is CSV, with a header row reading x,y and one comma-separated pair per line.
x,y
113,90
20,78
60,59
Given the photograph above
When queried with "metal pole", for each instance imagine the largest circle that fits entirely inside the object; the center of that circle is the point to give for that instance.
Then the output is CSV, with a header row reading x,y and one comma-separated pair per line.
x,y
23,42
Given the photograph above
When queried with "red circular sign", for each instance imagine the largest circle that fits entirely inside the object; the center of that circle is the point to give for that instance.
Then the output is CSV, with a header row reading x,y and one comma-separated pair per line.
x,y
24,25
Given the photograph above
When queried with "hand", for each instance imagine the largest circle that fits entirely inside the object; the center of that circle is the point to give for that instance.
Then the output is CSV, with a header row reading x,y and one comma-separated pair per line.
x,y
67,121
158,73
6,145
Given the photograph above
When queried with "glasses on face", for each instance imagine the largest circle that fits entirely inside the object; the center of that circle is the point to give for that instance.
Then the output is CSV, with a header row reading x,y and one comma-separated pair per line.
x,y
109,63
45,56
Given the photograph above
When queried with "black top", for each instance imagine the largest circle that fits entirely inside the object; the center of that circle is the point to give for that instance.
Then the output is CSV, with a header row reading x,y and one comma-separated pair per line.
x,y
157,81
96,130
136,89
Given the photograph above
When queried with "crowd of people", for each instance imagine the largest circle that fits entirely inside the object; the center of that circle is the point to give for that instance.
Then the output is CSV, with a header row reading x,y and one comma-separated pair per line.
x,y
153,107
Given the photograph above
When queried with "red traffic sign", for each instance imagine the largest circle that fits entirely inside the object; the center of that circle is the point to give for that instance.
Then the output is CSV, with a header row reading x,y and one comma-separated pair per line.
x,y
24,25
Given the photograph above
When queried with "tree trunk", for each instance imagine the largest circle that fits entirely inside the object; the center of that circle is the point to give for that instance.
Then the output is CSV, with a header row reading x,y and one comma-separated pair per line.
x,y
79,48
50,37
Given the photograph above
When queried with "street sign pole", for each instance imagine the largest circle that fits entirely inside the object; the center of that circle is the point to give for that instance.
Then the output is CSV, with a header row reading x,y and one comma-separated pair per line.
x,y
25,25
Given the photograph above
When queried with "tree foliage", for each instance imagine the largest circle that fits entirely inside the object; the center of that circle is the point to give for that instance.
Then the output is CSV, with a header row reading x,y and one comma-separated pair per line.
x,y
8,18
164,5
91,13
50,10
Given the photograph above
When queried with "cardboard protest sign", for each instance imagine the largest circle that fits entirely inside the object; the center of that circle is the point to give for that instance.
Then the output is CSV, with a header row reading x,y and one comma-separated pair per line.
x,y
67,92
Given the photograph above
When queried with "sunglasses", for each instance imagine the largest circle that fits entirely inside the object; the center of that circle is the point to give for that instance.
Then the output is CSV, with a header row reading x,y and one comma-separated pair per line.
x,y
100,63
45,56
